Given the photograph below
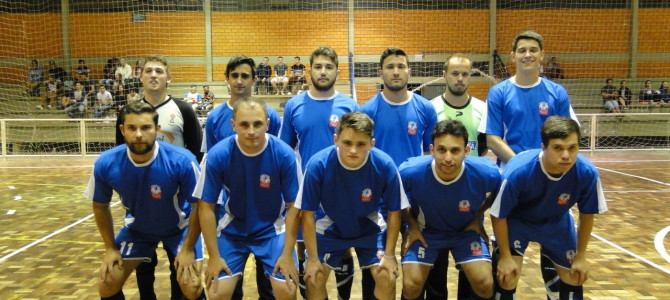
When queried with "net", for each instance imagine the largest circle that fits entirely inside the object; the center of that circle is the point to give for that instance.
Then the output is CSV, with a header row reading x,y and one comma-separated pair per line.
x,y
588,40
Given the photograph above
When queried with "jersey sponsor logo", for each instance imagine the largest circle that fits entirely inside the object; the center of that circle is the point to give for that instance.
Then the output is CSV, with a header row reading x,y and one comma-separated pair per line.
x,y
156,191
476,248
265,181
544,108
570,255
464,206
563,199
459,113
366,195
334,121
411,128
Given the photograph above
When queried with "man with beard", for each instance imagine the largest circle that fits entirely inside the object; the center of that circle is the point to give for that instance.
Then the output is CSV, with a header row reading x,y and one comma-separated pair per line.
x,y
241,76
516,110
310,120
403,120
179,126
154,182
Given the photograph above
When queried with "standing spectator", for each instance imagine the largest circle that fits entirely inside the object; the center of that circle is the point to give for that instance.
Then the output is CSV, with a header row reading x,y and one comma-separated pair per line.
x,y
610,97
664,92
625,94
74,103
647,94
280,80
104,103
263,72
553,69
297,76
35,79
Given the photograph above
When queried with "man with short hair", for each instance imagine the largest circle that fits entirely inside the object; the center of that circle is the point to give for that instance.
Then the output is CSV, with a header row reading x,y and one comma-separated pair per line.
x,y
53,87
179,126
533,205
517,107
625,95
153,180
259,175
610,97
280,81
104,101
447,191
263,73
310,120
74,103
340,201
192,97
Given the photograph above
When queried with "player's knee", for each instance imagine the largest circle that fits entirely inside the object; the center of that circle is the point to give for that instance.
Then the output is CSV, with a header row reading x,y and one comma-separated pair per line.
x,y
412,286
482,285
191,291
109,288
220,292
281,290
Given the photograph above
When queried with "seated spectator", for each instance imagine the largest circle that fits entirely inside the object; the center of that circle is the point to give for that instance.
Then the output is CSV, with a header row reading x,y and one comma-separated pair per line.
x,y
297,76
625,94
280,80
35,79
647,94
263,73
104,100
137,72
193,97
82,73
66,88
610,97
108,71
74,103
553,70
664,92
119,92
57,72
207,101
53,87
125,70
133,96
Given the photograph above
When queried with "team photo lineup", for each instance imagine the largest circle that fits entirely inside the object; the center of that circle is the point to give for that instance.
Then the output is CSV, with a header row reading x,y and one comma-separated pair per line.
x,y
395,185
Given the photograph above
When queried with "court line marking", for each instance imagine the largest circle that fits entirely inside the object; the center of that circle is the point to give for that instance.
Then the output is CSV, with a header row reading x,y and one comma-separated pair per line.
x,y
59,231
658,243
639,191
631,161
649,262
48,167
636,176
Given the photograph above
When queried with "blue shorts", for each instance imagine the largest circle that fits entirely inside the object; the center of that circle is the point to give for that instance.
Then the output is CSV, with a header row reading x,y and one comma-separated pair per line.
x,y
235,252
134,245
558,239
369,250
465,247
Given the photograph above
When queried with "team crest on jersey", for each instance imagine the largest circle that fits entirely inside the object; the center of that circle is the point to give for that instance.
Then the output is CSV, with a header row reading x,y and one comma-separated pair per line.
x,y
464,206
411,128
366,195
334,121
476,248
544,108
563,199
265,181
156,191
517,244
570,255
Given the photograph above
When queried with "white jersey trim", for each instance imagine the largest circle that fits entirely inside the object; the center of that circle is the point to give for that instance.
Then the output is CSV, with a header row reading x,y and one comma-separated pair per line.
x,y
155,154
432,167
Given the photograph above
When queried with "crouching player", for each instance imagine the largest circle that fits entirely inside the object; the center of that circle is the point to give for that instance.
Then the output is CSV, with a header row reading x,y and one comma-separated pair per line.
x,y
154,181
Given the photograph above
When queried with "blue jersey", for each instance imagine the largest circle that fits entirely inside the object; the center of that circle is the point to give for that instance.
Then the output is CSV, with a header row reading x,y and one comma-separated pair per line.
x,y
534,196
347,200
219,125
156,194
517,113
257,186
402,130
444,208
309,123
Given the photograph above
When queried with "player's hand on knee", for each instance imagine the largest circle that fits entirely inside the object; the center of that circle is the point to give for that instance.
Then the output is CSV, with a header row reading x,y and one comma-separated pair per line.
x,y
413,235
185,265
312,270
214,267
286,265
389,264
111,259
477,226
579,270
507,270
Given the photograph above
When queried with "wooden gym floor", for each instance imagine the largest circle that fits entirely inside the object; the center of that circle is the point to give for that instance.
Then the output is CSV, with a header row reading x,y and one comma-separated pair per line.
x,y
50,247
